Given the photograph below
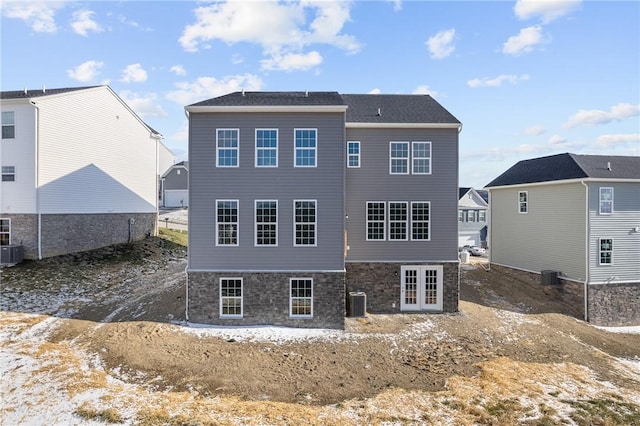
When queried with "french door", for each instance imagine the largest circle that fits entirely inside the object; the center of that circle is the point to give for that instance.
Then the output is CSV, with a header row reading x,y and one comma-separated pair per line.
x,y
421,288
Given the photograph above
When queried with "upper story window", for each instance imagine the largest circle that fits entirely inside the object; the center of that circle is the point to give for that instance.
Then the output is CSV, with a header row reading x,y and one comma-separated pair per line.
x,y
605,249
353,154
421,161
266,230
5,232
8,124
227,142
606,200
305,222
420,220
306,141
266,148
461,215
227,223
399,158
482,216
8,173
523,202
398,219
376,220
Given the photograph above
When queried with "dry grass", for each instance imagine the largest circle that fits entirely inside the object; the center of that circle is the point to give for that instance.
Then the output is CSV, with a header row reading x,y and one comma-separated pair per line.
x,y
174,235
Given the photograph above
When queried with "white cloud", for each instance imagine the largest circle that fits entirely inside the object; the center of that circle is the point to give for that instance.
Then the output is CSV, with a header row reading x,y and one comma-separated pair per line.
x,y
526,40
618,139
497,81
375,91
208,87
86,71
82,23
40,16
292,61
425,90
236,59
557,140
144,106
595,116
397,5
547,10
534,130
441,44
133,73
178,70
280,28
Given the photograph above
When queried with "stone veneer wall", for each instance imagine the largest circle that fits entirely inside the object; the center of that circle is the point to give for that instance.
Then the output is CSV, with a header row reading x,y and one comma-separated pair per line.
x,y
71,233
266,299
614,304
381,283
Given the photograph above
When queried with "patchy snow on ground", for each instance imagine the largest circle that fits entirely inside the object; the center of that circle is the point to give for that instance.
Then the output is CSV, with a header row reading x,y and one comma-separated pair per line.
x,y
176,216
635,329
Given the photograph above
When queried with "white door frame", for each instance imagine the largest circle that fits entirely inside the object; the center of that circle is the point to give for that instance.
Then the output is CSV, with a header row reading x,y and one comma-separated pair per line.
x,y
421,288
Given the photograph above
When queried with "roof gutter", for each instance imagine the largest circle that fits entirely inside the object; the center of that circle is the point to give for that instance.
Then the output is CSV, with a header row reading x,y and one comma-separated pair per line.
x,y
566,181
362,125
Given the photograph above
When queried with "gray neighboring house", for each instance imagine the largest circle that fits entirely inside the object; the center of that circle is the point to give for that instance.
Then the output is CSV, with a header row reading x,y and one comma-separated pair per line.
x,y
577,216
175,185
298,199
473,208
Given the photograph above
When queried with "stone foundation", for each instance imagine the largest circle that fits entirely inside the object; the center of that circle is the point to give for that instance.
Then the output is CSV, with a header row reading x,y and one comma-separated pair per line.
x,y
71,233
614,304
265,299
381,283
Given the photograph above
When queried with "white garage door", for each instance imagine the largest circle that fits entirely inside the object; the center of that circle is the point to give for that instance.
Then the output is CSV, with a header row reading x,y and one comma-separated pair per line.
x,y
176,198
469,240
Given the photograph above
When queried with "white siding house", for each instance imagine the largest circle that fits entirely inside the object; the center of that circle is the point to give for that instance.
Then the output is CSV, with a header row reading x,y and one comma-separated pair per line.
x,y
85,170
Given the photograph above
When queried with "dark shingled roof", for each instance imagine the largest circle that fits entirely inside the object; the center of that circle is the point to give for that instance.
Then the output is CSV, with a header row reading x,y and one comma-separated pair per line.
x,y
396,109
462,191
20,94
484,194
274,99
569,166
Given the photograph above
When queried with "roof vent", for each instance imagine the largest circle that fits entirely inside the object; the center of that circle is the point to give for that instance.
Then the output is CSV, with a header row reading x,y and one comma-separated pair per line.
x,y
44,90
609,165
379,114
306,93
242,92
25,90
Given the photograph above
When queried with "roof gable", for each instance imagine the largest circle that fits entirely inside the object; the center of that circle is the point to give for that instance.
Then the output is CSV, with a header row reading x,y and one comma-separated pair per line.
x,y
569,166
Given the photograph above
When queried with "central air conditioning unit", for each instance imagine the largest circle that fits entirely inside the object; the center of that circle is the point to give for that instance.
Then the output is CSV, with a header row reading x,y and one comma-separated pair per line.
x,y
11,254
357,304
549,278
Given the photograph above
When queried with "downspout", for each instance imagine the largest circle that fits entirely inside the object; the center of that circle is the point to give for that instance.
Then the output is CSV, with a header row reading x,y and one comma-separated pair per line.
x,y
186,268
155,225
588,236
37,178
489,234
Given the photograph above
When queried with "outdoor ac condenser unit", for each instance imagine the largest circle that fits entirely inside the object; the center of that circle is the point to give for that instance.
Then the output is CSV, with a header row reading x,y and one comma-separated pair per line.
x,y
357,304
549,278
11,254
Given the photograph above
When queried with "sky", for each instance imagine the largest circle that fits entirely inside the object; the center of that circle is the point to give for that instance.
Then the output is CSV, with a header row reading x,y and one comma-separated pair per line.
x,y
526,78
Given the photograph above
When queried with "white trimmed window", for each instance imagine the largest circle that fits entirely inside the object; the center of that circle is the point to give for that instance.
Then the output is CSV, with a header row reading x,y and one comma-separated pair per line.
x,y
266,147
8,124
605,251
398,221
353,154
304,213
482,216
399,158
376,220
420,220
5,232
460,215
227,223
523,202
421,158
227,143
306,147
8,174
606,200
230,297
301,297
266,229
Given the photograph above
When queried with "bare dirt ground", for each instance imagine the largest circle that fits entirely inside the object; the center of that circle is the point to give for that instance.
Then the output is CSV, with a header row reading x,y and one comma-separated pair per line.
x,y
107,328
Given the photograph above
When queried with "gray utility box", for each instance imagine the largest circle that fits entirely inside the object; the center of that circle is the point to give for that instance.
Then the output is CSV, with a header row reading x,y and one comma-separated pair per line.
x,y
357,304
549,278
11,254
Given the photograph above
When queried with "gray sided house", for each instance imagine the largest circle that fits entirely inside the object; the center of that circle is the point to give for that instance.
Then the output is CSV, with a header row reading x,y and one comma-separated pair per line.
x,y
298,199
577,216
473,216
175,185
